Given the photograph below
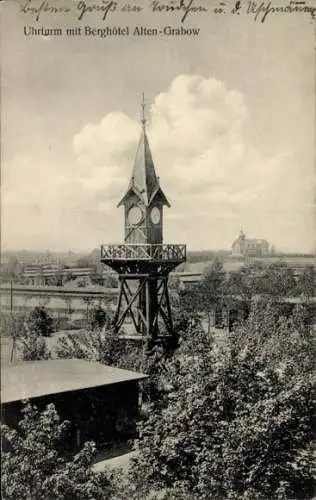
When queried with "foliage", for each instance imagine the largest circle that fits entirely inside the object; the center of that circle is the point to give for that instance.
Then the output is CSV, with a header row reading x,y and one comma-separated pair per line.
x,y
245,282
206,295
278,280
35,468
83,262
102,345
110,281
207,255
40,322
96,277
57,278
212,289
82,282
306,282
275,280
98,318
30,338
13,324
235,423
283,342
67,276
213,279
12,270
32,347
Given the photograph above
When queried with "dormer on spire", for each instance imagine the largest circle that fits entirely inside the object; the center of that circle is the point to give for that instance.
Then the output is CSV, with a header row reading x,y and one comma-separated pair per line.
x,y
144,181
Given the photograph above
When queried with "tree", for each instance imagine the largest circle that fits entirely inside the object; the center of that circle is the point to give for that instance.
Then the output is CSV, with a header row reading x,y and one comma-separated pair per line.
x,y
84,262
278,280
281,342
12,270
57,278
30,342
234,423
98,318
40,322
34,466
109,281
306,282
204,297
245,282
12,324
67,276
212,289
27,340
102,345
83,282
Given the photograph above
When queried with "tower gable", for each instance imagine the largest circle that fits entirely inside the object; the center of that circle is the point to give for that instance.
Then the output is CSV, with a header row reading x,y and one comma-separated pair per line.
x,y
159,197
144,182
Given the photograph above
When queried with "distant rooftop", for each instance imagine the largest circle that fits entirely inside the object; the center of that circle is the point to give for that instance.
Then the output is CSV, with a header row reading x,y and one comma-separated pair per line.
x,y
33,379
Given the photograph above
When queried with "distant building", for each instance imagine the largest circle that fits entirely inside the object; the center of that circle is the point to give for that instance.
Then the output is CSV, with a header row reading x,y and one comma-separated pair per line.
x,y
101,402
39,274
244,247
42,275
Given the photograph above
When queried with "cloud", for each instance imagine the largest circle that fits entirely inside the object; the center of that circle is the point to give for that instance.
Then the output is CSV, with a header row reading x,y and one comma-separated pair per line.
x,y
214,176
198,136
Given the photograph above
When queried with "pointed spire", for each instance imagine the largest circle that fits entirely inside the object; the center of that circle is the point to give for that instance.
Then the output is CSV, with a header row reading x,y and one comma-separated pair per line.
x,y
144,181
143,120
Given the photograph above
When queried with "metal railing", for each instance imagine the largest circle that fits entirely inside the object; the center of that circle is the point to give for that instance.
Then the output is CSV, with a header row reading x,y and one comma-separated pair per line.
x,y
144,251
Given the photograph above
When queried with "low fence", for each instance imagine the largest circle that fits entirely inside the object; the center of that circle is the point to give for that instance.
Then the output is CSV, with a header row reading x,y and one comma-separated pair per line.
x,y
56,299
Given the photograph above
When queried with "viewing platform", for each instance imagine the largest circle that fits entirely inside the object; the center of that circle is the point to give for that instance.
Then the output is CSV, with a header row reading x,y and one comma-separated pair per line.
x,y
140,252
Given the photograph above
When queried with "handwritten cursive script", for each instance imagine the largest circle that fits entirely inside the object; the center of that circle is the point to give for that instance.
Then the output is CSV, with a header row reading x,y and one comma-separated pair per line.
x,y
29,7
185,8
105,7
82,8
259,10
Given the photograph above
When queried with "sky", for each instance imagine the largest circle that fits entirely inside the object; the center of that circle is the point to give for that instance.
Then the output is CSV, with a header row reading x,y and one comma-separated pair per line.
x,y
230,122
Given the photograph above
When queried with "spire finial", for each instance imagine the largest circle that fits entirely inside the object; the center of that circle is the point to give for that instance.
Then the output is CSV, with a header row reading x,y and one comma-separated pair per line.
x,y
143,120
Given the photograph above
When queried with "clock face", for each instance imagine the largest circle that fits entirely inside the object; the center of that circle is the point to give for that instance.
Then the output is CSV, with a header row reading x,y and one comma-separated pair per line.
x,y
155,215
135,215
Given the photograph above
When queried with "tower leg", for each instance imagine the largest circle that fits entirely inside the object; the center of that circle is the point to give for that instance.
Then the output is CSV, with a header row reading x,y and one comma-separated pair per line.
x,y
164,306
127,309
118,306
152,303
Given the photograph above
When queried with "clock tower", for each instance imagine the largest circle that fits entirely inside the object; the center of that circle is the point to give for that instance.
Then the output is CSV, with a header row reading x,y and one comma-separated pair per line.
x,y
143,258
144,199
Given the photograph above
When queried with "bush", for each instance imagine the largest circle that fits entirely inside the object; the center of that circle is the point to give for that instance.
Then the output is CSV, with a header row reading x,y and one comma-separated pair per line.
x,y
31,344
32,347
40,322
103,346
35,467
233,423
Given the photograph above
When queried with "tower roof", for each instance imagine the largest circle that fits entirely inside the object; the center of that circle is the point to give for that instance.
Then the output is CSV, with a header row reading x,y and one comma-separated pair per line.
x,y
144,181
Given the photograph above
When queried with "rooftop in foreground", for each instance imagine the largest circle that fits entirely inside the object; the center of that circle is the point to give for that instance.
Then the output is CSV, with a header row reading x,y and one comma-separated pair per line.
x,y
33,379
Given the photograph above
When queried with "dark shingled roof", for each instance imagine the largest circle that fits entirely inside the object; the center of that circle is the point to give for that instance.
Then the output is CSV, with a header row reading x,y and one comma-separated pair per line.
x,y
33,379
144,181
